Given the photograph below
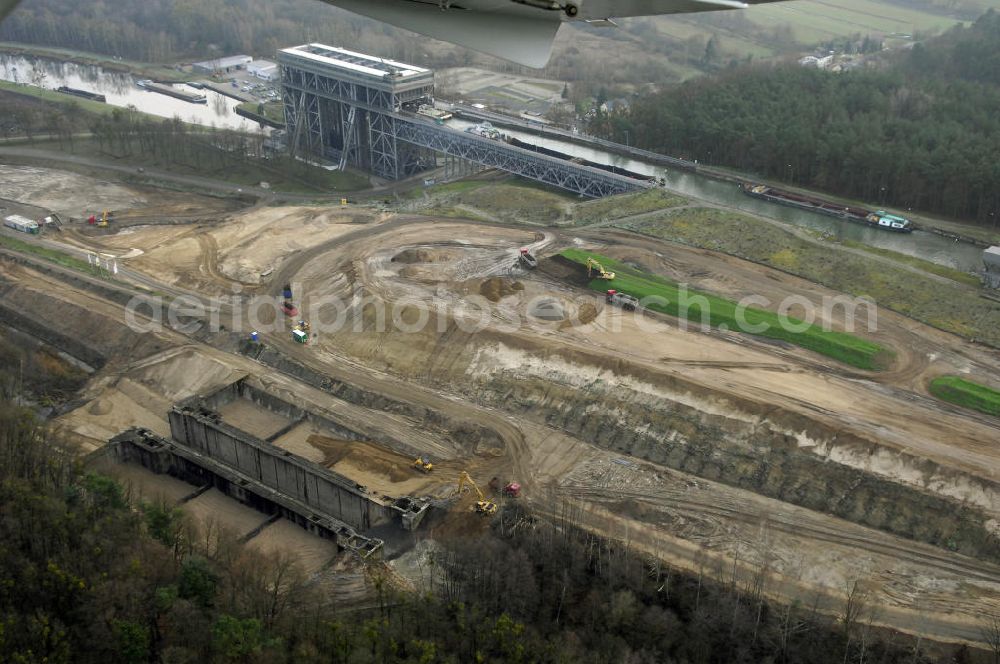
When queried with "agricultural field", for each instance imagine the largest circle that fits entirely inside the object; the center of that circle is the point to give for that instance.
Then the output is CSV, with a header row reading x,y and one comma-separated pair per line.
x,y
664,296
809,23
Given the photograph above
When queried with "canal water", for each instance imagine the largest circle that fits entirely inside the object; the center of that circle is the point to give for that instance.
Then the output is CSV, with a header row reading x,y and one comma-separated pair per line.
x,y
121,90
928,246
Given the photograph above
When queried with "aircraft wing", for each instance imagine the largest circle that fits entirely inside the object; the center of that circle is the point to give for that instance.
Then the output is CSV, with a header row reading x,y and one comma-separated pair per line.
x,y
518,30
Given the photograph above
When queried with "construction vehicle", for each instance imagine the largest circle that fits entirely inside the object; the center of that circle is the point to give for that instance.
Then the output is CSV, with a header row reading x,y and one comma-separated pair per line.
x,y
595,269
510,489
106,218
423,464
626,302
484,506
289,309
303,325
527,260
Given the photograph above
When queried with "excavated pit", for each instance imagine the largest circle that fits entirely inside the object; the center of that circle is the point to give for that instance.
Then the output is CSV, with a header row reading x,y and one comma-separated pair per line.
x,y
640,412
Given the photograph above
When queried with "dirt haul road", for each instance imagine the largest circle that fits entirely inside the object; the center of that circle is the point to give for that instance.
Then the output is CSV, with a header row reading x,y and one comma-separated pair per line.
x,y
844,418
702,448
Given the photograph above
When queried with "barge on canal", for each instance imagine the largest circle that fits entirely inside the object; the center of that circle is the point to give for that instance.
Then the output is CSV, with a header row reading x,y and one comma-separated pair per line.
x,y
876,219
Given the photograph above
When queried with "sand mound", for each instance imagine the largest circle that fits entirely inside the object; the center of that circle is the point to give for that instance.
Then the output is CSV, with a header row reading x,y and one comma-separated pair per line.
x,y
586,313
100,407
423,256
495,288
422,273
548,309
376,466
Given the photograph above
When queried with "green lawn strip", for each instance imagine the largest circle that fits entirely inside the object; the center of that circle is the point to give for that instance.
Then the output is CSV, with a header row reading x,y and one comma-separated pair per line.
x,y
967,394
840,346
50,255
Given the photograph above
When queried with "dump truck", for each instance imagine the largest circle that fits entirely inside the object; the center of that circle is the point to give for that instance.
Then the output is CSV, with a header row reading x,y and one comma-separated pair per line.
x,y
509,489
286,292
527,260
289,309
626,302
299,336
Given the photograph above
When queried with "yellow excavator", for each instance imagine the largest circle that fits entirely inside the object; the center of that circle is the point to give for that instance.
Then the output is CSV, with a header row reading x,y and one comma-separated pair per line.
x,y
484,505
423,464
596,269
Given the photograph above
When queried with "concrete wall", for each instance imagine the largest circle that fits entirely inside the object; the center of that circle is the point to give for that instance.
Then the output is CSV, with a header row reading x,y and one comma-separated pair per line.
x,y
243,389
164,456
204,432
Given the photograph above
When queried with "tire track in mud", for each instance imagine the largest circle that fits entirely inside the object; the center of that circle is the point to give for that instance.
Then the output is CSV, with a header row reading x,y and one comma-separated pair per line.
x,y
872,540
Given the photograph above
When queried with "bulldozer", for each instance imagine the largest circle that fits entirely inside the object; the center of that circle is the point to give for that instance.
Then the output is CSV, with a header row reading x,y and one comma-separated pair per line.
x,y
595,269
484,505
423,464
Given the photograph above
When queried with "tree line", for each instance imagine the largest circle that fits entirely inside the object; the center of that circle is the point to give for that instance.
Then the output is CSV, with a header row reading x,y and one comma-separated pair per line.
x,y
90,573
918,130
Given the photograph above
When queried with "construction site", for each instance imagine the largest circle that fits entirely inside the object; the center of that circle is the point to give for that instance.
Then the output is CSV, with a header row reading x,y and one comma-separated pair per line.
x,y
467,365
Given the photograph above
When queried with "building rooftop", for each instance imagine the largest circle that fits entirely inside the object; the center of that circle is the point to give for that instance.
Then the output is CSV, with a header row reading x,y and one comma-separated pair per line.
x,y
359,63
992,257
225,62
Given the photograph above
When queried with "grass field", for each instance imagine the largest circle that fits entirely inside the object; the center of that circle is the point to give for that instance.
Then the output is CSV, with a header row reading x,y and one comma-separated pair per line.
x,y
515,201
926,266
967,394
50,255
952,306
664,296
626,205
57,97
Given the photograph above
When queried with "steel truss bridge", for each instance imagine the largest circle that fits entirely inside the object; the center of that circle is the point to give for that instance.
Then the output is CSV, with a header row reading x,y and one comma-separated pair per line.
x,y
360,110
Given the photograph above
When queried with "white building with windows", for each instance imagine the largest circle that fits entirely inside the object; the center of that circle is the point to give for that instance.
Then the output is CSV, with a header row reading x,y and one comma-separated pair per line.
x,y
263,69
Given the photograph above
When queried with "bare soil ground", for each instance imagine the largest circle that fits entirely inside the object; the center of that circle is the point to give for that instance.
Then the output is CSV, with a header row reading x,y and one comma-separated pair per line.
x,y
314,553
253,419
78,196
621,419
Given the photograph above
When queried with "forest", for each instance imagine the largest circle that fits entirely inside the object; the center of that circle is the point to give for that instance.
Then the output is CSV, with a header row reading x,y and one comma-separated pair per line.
x,y
184,31
916,130
91,573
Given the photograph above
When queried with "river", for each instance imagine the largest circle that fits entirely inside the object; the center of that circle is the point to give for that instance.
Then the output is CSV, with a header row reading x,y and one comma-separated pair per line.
x,y
121,90
928,246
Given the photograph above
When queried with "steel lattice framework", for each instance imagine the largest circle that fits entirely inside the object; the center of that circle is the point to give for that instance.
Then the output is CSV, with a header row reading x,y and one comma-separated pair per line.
x,y
357,110
583,180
